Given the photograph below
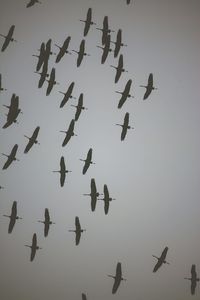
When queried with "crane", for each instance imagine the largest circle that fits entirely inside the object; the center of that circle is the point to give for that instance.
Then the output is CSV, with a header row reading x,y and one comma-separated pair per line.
x,y
1,88
41,57
63,49
13,112
63,171
79,107
67,95
43,75
125,126
88,22
106,49
34,247
93,194
81,53
105,30
51,81
78,231
117,278
125,94
11,157
47,222
32,139
149,87
161,260
69,133
107,199
13,217
8,38
194,279
118,43
88,161
32,2
119,69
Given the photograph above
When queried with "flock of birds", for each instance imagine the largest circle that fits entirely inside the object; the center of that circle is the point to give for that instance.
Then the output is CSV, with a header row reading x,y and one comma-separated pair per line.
x,y
14,111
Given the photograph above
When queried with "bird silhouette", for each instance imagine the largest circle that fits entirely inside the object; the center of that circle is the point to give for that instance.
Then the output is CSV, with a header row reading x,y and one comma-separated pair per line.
x,y
88,22
161,260
125,126
69,133
105,30
34,247
79,107
88,161
93,194
118,43
43,75
63,49
106,49
107,199
8,38
47,222
51,81
32,2
78,231
11,157
84,297
63,171
194,279
149,87
117,278
13,112
125,94
119,69
1,87
32,140
81,53
13,217
42,58
67,95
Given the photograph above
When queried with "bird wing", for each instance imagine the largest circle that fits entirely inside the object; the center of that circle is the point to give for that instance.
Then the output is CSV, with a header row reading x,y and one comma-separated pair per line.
x,y
115,285
86,166
10,157
77,224
164,254
67,95
35,133
106,49
41,58
119,68
157,266
118,43
78,237
81,53
33,247
31,3
193,271
14,209
93,194
11,224
62,171
84,297
51,82
150,80
119,270
106,192
106,205
8,38
46,214
147,93
79,107
193,286
88,21
46,229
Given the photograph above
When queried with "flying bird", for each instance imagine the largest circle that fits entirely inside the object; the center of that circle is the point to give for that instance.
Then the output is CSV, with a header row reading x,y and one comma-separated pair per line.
x,y
161,260
93,194
32,140
81,53
117,278
47,222
62,171
125,94
34,247
43,75
79,107
105,30
13,217
106,49
69,133
149,87
88,161
51,81
194,279
125,126
119,69
63,49
11,157
41,57
32,2
78,231
13,112
88,22
67,95
8,38
1,88
118,43
107,199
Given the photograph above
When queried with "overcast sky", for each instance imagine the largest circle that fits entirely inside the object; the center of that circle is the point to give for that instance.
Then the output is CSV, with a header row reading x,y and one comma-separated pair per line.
x,y
153,174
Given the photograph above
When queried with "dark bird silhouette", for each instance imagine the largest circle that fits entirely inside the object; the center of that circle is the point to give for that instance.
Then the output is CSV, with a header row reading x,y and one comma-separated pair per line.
x,y
1,88
88,22
194,279
51,81
34,247
62,171
128,1
119,69
41,57
13,112
125,94
8,38
84,297
32,140
63,49
43,75
69,133
32,2
11,157
125,126
47,222
93,194
105,30
107,199
149,87
67,95
118,43
78,231
13,217
88,161
106,49
161,260
79,107
117,278
81,53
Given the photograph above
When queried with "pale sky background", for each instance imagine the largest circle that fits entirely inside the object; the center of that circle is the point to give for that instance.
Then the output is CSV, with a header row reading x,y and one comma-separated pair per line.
x,y
154,174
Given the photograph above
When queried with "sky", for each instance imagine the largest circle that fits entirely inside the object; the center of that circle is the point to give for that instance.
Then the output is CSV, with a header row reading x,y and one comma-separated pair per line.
x,y
153,174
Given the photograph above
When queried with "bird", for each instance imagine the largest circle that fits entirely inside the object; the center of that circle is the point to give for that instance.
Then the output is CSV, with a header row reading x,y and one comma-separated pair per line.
x,y
63,49
88,22
8,38
32,140
106,49
149,87
79,107
69,133
84,297
93,194
81,53
125,126
41,57
43,75
117,278
32,2
161,260
119,69
51,81
34,247
13,112
88,161
1,88
78,231
11,157
62,171
128,1
125,94
67,94
118,43
47,222
107,199
194,279
105,30
13,217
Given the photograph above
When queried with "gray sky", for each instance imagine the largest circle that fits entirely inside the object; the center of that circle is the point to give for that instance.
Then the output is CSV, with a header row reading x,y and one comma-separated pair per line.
x,y
154,174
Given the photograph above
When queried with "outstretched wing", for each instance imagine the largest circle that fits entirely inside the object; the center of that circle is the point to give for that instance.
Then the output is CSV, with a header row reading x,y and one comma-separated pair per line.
x,y
8,38
81,53
67,95
88,21
51,81
79,107
157,266
164,254
118,43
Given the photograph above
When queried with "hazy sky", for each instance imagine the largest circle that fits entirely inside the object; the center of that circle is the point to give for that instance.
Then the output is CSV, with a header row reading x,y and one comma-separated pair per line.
x,y
154,174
